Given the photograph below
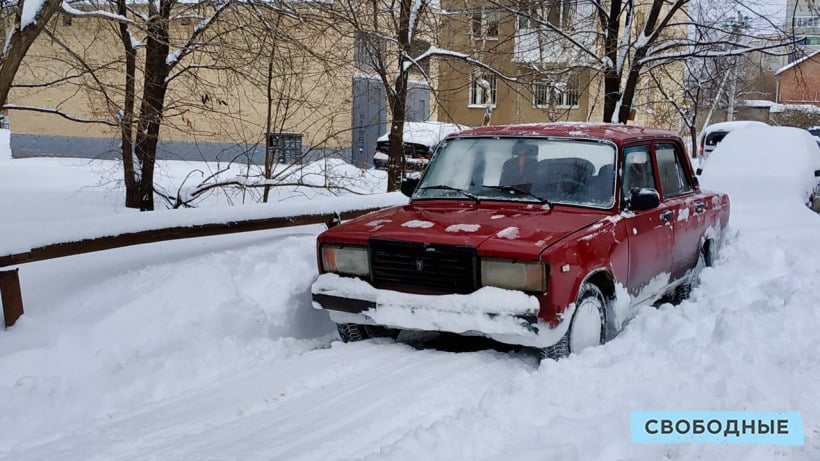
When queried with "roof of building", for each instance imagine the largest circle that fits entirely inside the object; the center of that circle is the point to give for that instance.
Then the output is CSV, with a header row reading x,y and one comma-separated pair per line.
x,y
796,63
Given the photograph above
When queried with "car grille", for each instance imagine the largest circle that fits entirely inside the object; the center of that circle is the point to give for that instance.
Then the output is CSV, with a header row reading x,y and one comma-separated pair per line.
x,y
409,266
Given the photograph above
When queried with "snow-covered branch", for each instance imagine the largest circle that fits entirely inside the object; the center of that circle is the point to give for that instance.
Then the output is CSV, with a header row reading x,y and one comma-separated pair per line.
x,y
193,43
70,10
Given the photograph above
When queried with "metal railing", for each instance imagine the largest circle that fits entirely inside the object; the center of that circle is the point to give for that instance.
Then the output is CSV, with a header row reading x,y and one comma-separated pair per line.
x,y
11,294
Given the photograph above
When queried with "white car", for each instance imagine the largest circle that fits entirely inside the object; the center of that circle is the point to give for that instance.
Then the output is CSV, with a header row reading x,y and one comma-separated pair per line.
x,y
765,168
419,140
714,134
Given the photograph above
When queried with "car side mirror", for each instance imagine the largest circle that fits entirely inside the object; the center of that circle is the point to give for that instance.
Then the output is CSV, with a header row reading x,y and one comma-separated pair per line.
x,y
699,171
817,173
643,199
408,186
696,181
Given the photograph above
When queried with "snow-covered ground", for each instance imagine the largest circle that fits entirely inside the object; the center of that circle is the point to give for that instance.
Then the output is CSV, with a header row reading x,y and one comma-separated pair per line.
x,y
209,349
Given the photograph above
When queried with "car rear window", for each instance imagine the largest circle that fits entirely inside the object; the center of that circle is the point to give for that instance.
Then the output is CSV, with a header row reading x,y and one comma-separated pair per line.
x,y
712,139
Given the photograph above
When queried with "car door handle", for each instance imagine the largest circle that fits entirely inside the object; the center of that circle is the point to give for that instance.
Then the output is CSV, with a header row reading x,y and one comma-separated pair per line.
x,y
666,216
699,206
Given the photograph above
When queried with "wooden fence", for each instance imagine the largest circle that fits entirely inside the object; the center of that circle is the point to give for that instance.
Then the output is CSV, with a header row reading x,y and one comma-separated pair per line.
x,y
10,291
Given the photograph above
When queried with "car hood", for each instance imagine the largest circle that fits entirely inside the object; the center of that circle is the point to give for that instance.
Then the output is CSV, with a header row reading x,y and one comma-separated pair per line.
x,y
517,230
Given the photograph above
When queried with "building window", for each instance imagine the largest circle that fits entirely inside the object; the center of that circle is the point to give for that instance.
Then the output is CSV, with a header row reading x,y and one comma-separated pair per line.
x,y
369,50
287,146
565,94
483,90
807,21
529,15
558,13
484,24
561,12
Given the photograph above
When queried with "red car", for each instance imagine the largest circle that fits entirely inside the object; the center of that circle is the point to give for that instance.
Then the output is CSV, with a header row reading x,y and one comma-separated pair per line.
x,y
538,235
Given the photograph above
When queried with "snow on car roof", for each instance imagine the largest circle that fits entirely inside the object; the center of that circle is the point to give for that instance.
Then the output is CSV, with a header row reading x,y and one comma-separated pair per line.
x,y
610,131
427,133
734,125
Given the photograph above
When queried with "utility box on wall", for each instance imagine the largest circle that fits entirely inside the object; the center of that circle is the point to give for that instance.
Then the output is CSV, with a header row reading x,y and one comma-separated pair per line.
x,y
287,146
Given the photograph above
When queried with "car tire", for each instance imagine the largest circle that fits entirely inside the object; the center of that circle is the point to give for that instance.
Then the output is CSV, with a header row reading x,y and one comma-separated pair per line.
x,y
683,291
587,327
352,332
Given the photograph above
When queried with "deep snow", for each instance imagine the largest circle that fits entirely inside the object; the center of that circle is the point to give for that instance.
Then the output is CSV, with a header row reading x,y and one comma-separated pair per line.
x,y
209,349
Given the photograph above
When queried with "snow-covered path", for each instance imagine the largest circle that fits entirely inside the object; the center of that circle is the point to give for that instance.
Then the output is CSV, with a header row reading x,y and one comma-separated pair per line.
x,y
746,341
209,350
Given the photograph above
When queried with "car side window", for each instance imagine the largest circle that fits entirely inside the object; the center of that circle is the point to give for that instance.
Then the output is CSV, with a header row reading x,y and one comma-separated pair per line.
x,y
674,181
637,170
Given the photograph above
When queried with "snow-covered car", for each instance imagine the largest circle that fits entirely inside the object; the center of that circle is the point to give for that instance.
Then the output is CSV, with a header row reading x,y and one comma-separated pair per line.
x,y
420,139
763,167
544,236
714,134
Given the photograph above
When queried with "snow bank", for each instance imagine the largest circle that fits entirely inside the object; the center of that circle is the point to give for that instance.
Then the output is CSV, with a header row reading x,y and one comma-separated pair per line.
x,y
139,331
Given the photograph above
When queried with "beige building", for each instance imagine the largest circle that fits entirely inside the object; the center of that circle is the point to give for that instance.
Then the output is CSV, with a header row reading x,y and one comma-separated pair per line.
x,y
547,81
325,95
217,108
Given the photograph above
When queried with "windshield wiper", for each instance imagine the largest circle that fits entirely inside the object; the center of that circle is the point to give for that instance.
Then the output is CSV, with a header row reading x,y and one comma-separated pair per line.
x,y
446,187
521,191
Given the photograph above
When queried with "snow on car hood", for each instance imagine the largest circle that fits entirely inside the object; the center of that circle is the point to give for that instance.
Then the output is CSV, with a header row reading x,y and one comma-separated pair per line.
x,y
513,231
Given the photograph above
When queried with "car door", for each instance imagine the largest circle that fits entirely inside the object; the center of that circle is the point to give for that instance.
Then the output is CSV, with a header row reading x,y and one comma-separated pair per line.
x,y
650,232
678,195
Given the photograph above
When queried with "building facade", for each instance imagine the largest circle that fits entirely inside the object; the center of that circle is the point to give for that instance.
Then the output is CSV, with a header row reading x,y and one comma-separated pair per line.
x,y
535,76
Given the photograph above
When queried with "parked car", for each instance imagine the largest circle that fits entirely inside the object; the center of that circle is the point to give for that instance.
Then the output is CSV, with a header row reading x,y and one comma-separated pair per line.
x,y
714,134
420,139
776,166
526,234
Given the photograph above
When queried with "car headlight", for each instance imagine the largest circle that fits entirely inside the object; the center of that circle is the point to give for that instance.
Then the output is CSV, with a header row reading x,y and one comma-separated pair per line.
x,y
349,260
513,275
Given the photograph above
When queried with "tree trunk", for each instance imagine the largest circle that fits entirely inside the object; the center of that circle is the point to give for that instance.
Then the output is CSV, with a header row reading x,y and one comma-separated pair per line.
x,y
398,103
132,192
18,43
269,149
153,100
612,75
395,162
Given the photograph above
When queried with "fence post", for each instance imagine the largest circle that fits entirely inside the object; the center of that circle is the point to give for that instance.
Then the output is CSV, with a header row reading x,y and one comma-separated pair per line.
x,y
11,296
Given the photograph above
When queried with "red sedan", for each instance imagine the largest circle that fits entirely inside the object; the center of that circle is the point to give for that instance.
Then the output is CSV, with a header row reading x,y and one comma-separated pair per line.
x,y
539,235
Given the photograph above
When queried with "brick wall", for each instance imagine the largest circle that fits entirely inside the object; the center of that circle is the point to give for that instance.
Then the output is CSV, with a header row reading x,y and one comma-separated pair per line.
x,y
801,83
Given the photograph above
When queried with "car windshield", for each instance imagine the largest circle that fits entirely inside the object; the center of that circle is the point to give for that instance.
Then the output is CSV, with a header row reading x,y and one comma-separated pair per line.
x,y
540,170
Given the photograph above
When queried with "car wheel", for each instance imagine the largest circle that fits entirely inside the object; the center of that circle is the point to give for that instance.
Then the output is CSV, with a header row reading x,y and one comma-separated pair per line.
x,y
587,327
351,332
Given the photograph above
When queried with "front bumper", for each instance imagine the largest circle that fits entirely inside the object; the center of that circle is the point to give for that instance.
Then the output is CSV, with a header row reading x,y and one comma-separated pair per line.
x,y
504,315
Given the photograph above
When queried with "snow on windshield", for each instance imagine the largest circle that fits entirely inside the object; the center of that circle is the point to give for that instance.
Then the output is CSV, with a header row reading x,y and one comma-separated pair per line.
x,y
523,169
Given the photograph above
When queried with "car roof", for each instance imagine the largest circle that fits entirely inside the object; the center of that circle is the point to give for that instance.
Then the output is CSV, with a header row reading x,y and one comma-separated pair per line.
x,y
733,125
608,131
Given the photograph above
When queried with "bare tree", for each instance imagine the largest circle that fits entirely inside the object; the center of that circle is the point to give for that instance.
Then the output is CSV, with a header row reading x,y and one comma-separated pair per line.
x,y
623,40
30,18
